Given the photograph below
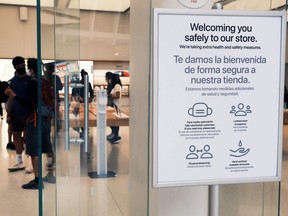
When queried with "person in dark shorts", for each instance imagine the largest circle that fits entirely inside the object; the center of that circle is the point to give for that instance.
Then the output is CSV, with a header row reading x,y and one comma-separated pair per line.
x,y
31,101
17,112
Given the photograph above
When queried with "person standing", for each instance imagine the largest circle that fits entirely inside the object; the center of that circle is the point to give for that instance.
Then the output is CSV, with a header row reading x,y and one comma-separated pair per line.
x,y
79,92
4,99
115,94
78,95
1,110
32,148
49,73
108,76
17,112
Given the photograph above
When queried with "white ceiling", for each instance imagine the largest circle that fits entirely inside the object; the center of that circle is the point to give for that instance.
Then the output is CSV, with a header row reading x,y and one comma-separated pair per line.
x,y
123,5
104,24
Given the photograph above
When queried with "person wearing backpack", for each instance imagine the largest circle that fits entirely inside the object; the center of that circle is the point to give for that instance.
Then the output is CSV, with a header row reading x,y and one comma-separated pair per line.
x,y
49,73
1,110
79,92
31,101
3,97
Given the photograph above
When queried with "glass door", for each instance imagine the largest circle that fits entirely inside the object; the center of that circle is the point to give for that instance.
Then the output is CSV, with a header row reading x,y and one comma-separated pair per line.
x,y
61,22
91,175
68,138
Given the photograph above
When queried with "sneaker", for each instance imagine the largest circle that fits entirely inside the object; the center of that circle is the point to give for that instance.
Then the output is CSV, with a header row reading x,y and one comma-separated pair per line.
x,y
32,185
115,140
10,145
110,136
50,178
16,167
29,169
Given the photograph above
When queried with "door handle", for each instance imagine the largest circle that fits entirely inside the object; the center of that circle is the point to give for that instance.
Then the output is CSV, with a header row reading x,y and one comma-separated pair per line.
x,y
86,114
66,112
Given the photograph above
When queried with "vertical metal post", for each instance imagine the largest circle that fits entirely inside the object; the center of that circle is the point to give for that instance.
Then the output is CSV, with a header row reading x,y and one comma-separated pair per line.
x,y
214,200
66,112
218,6
214,192
86,114
101,133
102,171
40,192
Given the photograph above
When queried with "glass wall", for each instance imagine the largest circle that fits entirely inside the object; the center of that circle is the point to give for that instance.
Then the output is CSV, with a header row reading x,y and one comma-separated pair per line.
x,y
77,193
60,42
256,198
91,172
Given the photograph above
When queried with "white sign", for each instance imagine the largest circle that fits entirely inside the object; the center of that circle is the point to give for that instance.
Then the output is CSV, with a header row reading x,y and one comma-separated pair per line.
x,y
218,96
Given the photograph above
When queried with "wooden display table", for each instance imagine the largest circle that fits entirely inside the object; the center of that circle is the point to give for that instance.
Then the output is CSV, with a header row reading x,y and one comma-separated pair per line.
x,y
76,116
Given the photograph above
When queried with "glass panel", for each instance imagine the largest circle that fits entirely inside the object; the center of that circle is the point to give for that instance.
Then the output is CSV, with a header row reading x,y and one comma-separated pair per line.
x,y
257,198
48,205
107,33
81,187
284,182
68,142
60,42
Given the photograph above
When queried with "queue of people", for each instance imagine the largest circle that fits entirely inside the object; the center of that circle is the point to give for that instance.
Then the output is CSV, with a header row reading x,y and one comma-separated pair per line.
x,y
22,114
22,117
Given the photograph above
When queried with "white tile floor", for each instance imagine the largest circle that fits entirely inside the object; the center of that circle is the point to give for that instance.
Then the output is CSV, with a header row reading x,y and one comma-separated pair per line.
x,y
77,192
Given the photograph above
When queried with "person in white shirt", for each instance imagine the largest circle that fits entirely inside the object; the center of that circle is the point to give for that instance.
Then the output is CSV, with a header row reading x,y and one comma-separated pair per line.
x,y
115,94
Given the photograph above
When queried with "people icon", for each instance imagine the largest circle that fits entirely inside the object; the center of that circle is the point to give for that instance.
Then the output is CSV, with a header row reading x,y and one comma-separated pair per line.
x,y
206,154
248,110
233,109
192,155
241,110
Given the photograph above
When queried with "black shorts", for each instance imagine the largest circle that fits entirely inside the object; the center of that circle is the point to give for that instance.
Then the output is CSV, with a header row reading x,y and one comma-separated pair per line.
x,y
18,122
32,138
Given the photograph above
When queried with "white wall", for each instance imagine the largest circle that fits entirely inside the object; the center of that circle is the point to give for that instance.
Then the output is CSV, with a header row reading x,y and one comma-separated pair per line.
x,y
101,35
7,70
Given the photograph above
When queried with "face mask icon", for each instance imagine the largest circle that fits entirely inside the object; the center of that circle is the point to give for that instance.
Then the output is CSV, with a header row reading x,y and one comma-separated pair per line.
x,y
200,110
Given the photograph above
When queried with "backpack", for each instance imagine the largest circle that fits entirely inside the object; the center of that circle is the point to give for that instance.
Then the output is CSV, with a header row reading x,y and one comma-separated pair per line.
x,y
3,86
48,103
48,98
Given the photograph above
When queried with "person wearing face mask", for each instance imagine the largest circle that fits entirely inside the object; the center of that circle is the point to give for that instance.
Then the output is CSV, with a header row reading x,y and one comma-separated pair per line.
x,y
32,146
17,112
